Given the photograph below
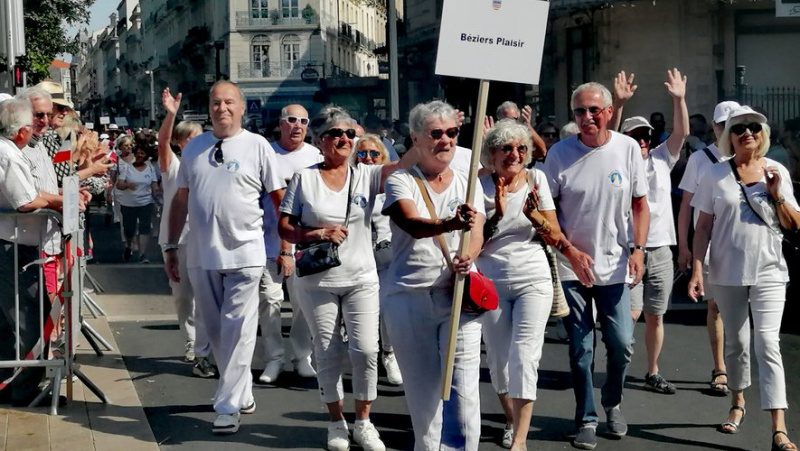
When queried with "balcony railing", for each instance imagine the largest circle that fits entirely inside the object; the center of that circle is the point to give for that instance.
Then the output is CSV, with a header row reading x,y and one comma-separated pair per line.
x,y
281,70
246,19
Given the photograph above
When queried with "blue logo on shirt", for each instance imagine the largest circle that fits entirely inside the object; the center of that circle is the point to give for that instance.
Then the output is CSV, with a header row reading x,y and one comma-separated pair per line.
x,y
232,166
453,204
616,178
360,200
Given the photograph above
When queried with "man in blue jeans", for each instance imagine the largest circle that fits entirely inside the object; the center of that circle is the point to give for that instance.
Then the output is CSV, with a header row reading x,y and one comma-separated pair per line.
x,y
598,178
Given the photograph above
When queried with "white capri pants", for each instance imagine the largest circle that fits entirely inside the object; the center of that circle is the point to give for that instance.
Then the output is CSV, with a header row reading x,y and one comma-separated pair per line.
x,y
183,295
418,322
299,335
766,302
270,299
325,309
227,300
514,336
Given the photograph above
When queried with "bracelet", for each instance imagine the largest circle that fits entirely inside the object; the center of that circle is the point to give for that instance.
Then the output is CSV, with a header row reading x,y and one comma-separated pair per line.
x,y
169,247
544,228
285,253
778,202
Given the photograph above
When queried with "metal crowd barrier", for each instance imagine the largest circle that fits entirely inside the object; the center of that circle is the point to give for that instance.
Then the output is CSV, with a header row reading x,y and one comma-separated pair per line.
x,y
27,354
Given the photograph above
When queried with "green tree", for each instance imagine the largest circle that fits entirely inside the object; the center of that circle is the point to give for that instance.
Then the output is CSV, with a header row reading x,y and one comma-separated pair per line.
x,y
46,32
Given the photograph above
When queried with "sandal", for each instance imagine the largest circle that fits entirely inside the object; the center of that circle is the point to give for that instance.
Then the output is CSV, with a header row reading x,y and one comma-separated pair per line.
x,y
719,388
784,446
733,425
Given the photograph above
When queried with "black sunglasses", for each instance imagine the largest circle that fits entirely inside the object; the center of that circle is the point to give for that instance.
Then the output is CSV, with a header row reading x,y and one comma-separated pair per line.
x,y
641,136
593,110
218,157
739,129
62,108
338,133
521,149
364,153
549,135
42,115
450,132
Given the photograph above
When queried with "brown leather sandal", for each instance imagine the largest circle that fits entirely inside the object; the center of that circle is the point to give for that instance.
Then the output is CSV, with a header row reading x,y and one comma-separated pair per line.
x,y
784,446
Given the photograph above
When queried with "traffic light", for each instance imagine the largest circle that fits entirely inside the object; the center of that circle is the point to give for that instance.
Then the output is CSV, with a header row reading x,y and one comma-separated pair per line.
x,y
19,69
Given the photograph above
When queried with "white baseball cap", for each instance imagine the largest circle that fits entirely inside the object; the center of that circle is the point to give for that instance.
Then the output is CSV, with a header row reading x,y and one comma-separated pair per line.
x,y
634,122
745,110
723,110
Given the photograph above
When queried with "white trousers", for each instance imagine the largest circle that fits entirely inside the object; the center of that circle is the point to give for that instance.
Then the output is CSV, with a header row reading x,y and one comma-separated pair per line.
x,y
514,336
299,335
418,322
386,342
357,307
183,295
270,299
228,304
766,302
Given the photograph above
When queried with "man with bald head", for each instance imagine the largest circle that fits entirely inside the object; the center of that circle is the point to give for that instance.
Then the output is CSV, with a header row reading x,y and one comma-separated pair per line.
x,y
292,154
223,175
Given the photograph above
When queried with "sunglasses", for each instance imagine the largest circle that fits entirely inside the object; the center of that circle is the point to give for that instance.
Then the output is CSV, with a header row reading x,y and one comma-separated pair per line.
x,y
41,116
641,136
450,132
549,135
371,153
294,119
593,110
739,129
521,149
61,108
338,133
218,157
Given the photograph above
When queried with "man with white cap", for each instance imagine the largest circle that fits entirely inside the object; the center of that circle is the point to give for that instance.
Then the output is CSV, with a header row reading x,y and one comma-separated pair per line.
x,y
698,164
652,295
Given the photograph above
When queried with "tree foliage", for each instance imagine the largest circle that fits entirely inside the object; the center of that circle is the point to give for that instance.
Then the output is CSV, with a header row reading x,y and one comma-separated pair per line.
x,y
46,32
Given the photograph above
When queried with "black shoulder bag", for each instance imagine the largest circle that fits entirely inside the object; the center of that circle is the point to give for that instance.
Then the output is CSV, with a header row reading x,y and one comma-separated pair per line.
x,y
318,256
787,244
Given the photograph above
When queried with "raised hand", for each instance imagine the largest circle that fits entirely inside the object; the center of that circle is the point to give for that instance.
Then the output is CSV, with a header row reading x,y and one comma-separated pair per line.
x,y
624,87
488,124
676,84
526,115
773,177
500,194
171,104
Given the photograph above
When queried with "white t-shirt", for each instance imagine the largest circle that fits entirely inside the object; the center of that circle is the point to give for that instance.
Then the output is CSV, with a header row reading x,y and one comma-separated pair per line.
x,y
169,182
696,167
743,250
288,162
511,255
225,215
659,198
143,180
317,205
381,230
419,263
461,158
594,187
16,190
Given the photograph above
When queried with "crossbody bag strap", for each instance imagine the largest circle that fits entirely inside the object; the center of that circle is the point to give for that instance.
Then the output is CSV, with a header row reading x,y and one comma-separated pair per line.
x,y
747,199
710,155
349,198
429,203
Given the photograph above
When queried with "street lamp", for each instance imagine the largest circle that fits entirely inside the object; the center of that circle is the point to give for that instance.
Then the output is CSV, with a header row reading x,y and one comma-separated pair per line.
x,y
152,98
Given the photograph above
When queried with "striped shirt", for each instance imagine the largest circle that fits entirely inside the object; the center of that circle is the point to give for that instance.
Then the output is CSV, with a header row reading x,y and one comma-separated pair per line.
x,y
44,180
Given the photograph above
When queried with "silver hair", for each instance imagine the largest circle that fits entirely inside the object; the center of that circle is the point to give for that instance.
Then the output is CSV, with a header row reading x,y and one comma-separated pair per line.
x,y
379,146
186,129
32,94
726,144
122,140
568,130
507,105
505,132
227,82
424,112
327,117
593,86
15,114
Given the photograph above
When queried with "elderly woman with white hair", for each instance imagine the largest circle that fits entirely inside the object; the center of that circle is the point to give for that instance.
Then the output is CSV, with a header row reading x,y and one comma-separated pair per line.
x,y
419,300
332,202
746,201
518,207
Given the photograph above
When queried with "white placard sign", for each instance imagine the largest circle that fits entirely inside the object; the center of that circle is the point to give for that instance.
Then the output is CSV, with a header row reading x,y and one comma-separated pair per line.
x,y
787,8
105,120
70,210
500,40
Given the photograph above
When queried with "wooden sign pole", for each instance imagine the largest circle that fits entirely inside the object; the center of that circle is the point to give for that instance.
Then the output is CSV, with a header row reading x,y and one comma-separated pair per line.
x,y
458,291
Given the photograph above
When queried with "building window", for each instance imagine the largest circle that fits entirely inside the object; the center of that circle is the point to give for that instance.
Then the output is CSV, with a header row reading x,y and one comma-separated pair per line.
x,y
259,9
260,56
291,51
290,8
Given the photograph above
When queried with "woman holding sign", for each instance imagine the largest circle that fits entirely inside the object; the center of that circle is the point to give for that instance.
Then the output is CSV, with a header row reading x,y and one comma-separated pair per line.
x,y
424,202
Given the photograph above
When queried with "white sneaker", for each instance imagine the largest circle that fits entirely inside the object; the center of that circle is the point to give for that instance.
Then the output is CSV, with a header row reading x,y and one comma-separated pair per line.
x,y
189,355
508,436
369,439
304,369
392,370
226,424
271,372
338,437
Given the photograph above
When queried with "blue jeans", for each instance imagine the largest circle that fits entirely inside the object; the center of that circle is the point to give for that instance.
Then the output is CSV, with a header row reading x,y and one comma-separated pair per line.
x,y
613,303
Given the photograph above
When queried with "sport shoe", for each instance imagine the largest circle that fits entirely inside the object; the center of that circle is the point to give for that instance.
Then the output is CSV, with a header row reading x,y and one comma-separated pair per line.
x,y
250,408
392,370
226,424
126,256
338,437
367,436
615,422
508,436
657,383
203,368
586,438
189,354
271,372
304,369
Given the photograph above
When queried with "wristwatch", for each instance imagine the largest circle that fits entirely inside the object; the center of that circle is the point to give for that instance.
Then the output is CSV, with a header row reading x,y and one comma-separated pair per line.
x,y
286,254
780,201
641,248
169,247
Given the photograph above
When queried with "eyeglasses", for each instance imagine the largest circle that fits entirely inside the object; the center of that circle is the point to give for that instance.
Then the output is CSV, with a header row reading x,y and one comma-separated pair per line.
x,y
521,149
42,115
218,157
640,136
61,108
338,133
739,129
371,153
450,132
549,135
294,119
593,110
